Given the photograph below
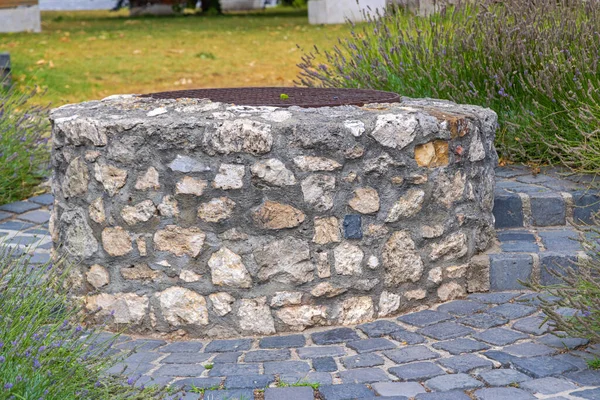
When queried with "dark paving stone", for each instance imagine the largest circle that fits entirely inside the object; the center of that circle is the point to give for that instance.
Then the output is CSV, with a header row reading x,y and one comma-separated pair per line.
x,y
503,377
508,211
267,355
417,371
499,336
385,398
200,383
186,396
506,269
234,394
563,240
125,369
556,262
221,346
503,358
182,347
224,358
515,235
19,207
586,204
37,232
548,385
410,354
503,394
248,381
146,381
180,370
44,199
23,240
425,318
353,226
578,359
286,367
531,325
379,328
363,375
185,358
461,307
513,311
541,367
460,345
445,330
345,392
494,298
334,336
406,389
407,337
511,171
528,350
16,225
289,393
370,345
141,344
143,357
519,247
36,216
322,378
282,342
590,394
233,369
361,361
316,352
445,383
453,395
465,363
326,364
39,258
5,215
588,377
548,209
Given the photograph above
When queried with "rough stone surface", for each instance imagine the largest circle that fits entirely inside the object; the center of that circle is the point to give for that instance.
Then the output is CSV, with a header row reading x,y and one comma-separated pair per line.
x,y
179,241
318,191
286,261
401,261
255,316
230,176
111,177
141,212
189,185
216,209
227,269
221,303
116,241
98,276
365,200
348,259
183,307
407,206
149,180
327,230
356,310
273,172
272,215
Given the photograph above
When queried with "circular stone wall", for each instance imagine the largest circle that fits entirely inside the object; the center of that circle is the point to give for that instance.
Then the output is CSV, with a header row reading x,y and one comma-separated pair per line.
x,y
224,220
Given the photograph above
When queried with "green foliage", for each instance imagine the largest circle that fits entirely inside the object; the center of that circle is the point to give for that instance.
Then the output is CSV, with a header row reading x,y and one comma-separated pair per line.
x,y
313,385
533,62
45,350
594,363
24,149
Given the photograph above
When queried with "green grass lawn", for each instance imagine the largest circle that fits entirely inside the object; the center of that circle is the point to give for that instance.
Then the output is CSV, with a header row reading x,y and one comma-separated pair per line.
x,y
90,55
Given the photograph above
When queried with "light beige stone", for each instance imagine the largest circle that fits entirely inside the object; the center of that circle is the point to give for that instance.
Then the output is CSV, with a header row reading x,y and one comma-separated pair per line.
x,y
96,211
356,310
181,307
373,262
189,276
351,177
348,259
309,163
76,235
327,289
450,291
318,191
433,154
216,209
430,232
389,303
76,178
233,234
323,267
365,200
168,207
116,241
97,276
125,308
401,259
148,181
417,179
354,152
189,185
179,241
91,155
141,245
476,149
478,275
376,230
230,176
273,215
450,248
282,299
111,177
298,318
356,128
327,230
273,172
240,135
221,303
456,271
435,275
407,206
417,294
397,180
395,130
227,269
286,261
140,272
254,316
141,212
449,190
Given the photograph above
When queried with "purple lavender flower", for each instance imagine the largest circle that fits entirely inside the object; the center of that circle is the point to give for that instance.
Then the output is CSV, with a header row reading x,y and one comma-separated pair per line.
x,y
8,386
2,359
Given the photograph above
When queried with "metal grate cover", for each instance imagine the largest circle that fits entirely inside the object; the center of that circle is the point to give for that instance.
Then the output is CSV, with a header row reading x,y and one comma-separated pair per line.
x,y
284,96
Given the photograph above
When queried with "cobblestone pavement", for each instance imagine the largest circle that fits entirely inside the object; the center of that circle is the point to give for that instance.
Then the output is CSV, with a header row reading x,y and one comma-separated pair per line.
x,y
490,346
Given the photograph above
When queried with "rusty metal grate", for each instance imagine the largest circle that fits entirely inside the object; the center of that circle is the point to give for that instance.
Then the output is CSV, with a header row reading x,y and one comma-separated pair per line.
x,y
284,96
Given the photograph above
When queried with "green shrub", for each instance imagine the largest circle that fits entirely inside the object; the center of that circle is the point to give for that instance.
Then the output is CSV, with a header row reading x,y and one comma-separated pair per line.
x,y
45,351
24,149
534,62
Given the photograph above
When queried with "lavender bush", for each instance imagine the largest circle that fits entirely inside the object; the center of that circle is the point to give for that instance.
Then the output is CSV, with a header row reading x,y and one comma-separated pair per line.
x,y
45,350
24,150
535,62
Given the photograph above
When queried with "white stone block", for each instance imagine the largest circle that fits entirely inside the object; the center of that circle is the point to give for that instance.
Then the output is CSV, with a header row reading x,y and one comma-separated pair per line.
x,y
20,19
342,11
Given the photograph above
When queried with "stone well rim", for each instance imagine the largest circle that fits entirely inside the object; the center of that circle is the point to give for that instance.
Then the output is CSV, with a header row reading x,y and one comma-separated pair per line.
x,y
272,96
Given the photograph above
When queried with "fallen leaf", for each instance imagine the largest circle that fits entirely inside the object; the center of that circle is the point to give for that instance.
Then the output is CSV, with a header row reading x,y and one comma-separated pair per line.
x,y
40,62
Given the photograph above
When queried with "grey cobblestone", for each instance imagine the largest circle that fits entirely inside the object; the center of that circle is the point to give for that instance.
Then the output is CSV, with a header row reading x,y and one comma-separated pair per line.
x,y
361,361
425,318
499,336
446,330
460,345
548,385
445,383
328,364
465,363
503,394
344,392
417,371
410,354
461,307
503,377
370,345
282,342
334,336
289,393
220,346
363,375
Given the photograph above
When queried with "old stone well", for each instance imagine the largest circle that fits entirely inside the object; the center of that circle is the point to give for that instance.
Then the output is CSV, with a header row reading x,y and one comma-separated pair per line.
x,y
229,217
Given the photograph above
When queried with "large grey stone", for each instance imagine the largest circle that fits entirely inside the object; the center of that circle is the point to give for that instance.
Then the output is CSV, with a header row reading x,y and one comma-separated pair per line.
x,y
503,394
419,371
446,383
